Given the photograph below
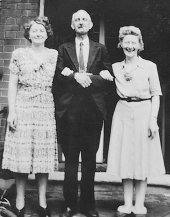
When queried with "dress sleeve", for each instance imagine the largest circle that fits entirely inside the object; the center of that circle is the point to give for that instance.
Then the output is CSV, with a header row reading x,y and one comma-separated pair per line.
x,y
14,65
155,88
114,68
54,57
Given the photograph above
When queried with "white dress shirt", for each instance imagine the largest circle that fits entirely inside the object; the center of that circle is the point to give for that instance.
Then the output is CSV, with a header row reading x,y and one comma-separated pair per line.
x,y
85,49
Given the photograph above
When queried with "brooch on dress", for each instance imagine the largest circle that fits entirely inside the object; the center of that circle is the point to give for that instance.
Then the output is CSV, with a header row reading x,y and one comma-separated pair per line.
x,y
128,76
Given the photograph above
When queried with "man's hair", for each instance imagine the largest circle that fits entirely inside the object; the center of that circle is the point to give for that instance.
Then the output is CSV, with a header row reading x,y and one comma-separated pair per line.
x,y
80,11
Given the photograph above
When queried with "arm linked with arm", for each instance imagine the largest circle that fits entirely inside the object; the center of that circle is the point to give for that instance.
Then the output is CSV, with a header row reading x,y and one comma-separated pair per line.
x,y
67,75
61,66
60,81
97,80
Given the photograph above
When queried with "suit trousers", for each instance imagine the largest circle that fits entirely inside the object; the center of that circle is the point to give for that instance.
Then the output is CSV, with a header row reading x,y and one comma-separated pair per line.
x,y
80,129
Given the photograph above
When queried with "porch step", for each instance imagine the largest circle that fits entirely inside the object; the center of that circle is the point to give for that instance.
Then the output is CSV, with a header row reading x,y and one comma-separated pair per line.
x,y
108,197
103,177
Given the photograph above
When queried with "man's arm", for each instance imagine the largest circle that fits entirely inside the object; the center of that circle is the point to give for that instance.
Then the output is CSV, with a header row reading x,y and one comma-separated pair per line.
x,y
66,77
61,66
97,80
60,82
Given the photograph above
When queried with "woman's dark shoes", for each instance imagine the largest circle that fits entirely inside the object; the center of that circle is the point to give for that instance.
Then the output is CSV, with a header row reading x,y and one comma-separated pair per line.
x,y
44,212
19,213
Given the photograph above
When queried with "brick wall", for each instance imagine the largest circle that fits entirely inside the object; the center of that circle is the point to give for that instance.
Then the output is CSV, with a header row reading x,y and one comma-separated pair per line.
x,y
13,14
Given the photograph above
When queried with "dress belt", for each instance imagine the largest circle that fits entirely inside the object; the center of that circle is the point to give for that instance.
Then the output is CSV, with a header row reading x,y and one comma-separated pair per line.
x,y
134,99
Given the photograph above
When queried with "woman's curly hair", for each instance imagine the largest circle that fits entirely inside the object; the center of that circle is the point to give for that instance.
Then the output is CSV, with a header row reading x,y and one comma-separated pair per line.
x,y
40,20
130,30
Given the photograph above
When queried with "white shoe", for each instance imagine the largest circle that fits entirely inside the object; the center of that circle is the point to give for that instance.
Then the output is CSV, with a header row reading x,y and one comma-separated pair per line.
x,y
139,210
124,209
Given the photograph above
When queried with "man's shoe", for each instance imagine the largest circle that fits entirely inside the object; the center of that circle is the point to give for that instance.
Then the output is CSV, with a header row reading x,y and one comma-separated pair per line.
x,y
67,213
92,213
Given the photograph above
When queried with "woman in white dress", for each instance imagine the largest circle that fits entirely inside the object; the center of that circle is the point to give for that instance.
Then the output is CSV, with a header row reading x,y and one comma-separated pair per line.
x,y
31,142
135,150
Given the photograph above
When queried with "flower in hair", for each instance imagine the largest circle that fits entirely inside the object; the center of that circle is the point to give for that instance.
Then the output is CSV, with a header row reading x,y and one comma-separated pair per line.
x,y
42,20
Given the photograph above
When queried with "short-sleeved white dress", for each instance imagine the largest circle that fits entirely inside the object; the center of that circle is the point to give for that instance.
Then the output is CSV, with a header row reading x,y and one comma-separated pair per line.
x,y
32,147
132,154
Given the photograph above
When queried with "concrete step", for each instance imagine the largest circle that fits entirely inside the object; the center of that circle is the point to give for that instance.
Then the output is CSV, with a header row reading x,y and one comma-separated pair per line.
x,y
163,180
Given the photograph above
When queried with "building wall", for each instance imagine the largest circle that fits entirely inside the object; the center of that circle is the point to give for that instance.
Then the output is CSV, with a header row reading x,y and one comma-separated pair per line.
x,y
13,14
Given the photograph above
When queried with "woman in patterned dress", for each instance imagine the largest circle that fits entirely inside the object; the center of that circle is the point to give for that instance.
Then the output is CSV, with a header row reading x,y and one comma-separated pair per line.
x,y
135,150
31,143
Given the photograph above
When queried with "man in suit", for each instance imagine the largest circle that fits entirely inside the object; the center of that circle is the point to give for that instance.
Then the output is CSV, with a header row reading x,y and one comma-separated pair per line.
x,y
80,111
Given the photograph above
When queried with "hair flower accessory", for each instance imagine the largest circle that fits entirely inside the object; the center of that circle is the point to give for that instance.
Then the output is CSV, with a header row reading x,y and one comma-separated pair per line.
x,y
26,25
43,19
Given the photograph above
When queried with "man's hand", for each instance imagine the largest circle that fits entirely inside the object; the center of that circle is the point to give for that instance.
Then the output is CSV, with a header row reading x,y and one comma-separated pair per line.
x,y
66,71
105,74
153,127
83,79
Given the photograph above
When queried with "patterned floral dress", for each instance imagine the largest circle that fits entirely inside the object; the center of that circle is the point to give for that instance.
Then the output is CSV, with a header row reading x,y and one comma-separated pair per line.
x,y
32,147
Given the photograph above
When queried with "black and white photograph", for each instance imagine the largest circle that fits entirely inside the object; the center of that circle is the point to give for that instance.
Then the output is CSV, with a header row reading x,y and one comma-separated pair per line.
x,y
84,108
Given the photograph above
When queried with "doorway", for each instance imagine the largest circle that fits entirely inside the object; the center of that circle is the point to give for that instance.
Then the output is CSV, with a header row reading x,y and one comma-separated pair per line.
x,y
152,17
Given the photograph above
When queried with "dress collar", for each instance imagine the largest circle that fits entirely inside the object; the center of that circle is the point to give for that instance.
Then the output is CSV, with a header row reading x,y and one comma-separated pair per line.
x,y
139,63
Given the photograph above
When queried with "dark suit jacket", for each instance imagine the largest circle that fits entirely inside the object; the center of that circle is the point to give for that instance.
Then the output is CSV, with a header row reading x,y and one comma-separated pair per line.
x,y
64,88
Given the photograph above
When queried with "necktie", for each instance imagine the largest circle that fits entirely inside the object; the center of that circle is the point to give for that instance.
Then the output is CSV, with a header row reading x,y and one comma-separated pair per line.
x,y
81,58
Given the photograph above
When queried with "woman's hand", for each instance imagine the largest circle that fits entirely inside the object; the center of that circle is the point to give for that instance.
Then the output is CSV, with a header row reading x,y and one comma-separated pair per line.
x,y
105,74
66,71
11,120
153,127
